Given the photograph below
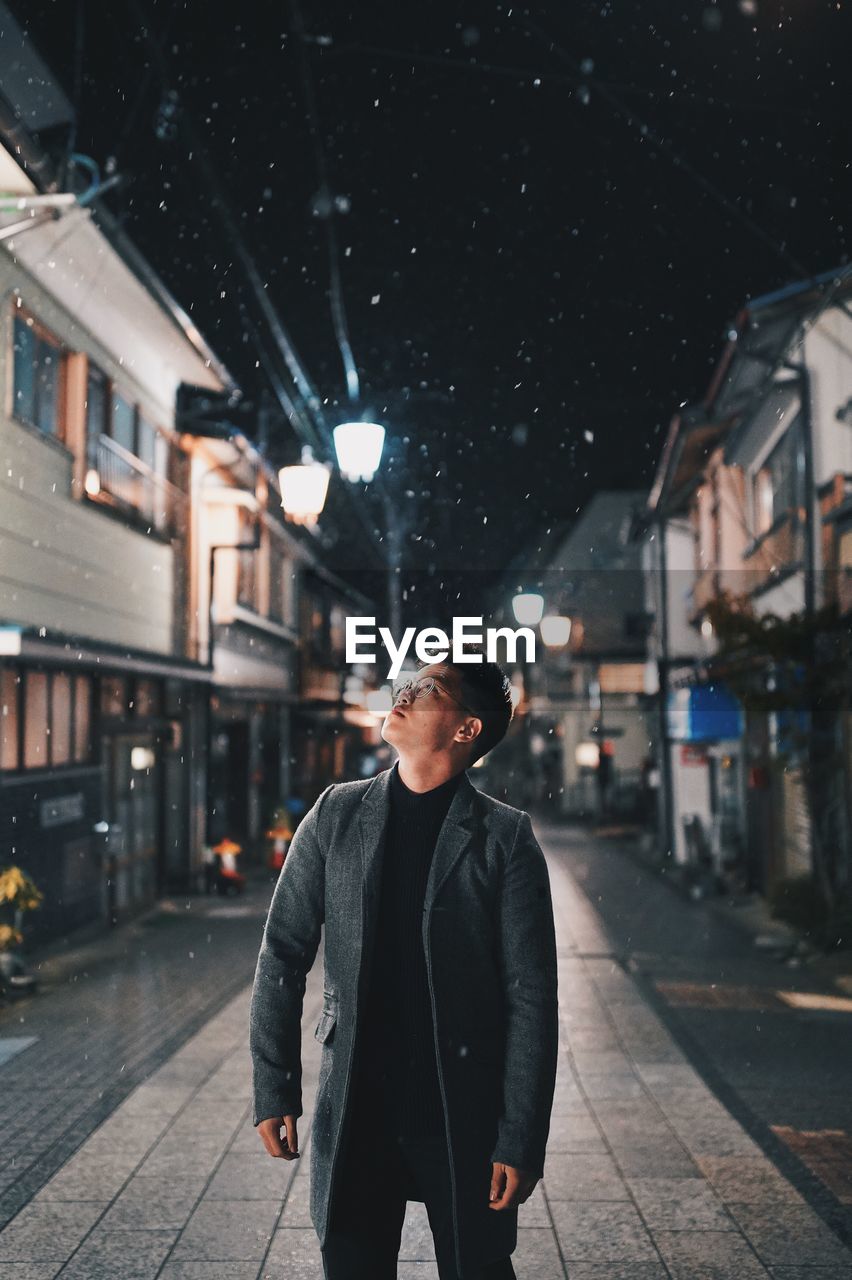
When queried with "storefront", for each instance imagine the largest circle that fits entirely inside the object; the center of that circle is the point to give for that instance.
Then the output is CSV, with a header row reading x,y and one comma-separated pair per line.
x,y
97,786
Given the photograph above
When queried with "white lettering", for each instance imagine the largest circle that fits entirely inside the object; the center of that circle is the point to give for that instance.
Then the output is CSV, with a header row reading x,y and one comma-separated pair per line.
x,y
429,650
353,639
461,637
511,637
433,645
397,654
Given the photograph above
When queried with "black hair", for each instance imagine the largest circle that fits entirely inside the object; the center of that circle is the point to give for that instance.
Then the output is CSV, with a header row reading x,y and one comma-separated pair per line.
x,y
487,691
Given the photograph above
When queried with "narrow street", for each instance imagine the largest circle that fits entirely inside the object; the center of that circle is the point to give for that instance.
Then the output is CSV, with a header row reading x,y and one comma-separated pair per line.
x,y
681,1110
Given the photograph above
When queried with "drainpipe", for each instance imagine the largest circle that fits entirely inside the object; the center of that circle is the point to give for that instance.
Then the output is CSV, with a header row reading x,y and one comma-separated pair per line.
x,y
663,663
803,378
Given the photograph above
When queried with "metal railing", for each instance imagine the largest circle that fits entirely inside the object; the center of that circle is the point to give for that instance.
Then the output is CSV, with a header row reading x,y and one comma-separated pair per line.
x,y
126,482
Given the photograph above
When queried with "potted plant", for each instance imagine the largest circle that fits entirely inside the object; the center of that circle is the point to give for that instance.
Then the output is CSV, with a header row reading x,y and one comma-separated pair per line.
x,y
18,894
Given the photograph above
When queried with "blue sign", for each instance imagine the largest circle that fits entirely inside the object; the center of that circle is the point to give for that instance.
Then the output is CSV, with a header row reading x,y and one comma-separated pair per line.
x,y
704,713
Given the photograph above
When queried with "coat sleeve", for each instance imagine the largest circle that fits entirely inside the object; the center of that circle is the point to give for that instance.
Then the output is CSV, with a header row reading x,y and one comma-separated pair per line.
x,y
290,941
527,948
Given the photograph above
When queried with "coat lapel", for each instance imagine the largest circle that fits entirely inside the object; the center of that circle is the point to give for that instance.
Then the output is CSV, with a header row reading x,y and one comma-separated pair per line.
x,y
454,838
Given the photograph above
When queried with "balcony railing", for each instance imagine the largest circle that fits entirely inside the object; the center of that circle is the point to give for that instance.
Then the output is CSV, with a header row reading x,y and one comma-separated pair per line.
x,y
120,480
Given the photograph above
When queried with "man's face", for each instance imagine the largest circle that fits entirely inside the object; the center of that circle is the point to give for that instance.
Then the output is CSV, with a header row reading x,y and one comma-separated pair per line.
x,y
431,723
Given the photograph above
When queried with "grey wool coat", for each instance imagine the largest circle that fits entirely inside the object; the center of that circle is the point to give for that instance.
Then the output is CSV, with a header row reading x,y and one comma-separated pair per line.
x,y
490,949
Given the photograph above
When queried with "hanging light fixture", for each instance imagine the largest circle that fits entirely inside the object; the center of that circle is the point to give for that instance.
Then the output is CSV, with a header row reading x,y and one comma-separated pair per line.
x,y
358,446
303,488
528,606
555,630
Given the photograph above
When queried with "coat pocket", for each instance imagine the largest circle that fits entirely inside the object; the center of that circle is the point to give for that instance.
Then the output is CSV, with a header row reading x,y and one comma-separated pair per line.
x,y
325,1027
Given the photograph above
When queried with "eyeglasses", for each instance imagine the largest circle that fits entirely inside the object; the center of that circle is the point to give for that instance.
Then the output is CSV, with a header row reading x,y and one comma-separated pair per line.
x,y
422,688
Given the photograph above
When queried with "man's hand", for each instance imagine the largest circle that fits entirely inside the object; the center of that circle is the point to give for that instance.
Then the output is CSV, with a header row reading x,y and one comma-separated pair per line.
x,y
509,1186
270,1132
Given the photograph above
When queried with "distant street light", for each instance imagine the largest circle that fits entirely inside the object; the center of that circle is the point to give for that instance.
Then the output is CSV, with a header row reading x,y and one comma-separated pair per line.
x,y
528,606
555,630
303,488
358,446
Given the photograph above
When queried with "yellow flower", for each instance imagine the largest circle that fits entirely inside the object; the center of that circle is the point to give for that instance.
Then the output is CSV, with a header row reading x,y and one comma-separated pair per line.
x,y
9,937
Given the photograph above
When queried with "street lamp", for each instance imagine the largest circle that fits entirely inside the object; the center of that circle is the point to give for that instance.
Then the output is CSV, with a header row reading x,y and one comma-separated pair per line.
x,y
555,630
303,488
528,606
358,446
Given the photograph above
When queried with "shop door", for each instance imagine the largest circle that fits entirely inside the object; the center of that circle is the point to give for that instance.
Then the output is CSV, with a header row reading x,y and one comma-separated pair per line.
x,y
134,808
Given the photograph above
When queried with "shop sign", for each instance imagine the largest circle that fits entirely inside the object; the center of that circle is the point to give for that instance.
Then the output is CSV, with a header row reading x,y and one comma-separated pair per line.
x,y
61,809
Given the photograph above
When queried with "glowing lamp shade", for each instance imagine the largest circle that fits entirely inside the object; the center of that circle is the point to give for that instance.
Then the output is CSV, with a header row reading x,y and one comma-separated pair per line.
x,y
555,630
587,755
303,489
358,446
93,483
528,607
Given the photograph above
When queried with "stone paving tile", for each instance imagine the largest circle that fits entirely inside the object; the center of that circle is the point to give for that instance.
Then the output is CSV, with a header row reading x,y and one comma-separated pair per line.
x,y
716,1137
48,1232
28,1270
534,1212
611,1085
121,1131
208,1271
91,1175
797,1273
417,1243
297,1208
794,1235
151,1204
574,1133
610,1232
602,1062
417,1271
251,1177
752,1180
182,1157
618,1271
661,1158
679,1204
132,1255
597,1039
583,1177
151,1099
537,1255
293,1255
708,1255
221,1230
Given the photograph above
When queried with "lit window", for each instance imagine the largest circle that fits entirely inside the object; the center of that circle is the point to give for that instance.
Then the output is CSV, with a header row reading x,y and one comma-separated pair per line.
x,y
35,720
9,719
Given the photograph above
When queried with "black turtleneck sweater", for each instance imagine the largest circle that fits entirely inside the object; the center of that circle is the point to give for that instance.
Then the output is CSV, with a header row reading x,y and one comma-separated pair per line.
x,y
396,1056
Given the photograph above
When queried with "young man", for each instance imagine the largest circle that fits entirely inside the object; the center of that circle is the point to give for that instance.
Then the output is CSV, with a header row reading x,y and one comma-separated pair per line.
x,y
439,1024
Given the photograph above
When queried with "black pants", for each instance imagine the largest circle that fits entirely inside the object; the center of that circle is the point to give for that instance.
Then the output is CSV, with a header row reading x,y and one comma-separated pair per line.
x,y
380,1172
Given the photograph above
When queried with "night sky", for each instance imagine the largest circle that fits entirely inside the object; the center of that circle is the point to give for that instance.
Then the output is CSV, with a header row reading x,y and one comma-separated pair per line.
x,y
546,216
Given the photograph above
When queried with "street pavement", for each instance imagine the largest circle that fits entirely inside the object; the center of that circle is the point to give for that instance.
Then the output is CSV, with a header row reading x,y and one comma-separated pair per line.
x,y
654,1169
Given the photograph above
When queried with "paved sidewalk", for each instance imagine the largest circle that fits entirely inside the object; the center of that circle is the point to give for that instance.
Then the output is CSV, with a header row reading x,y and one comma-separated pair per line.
x,y
647,1175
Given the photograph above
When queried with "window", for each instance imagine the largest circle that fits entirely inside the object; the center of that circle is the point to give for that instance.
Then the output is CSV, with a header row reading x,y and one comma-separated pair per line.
x,y
115,696
45,719
37,375
10,682
247,561
126,454
36,723
82,719
779,484
97,413
61,713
